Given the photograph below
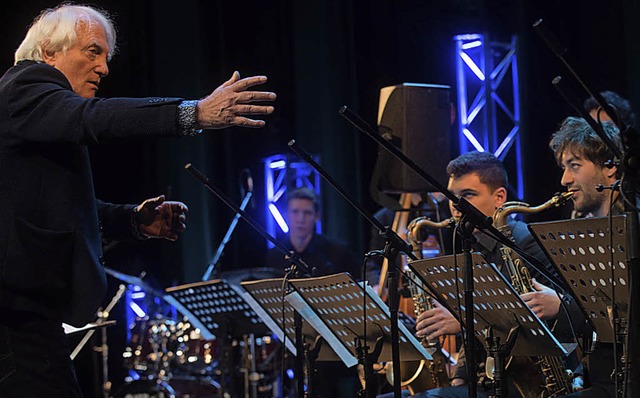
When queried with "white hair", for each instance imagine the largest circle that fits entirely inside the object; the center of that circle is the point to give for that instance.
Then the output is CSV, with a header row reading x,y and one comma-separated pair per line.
x,y
55,30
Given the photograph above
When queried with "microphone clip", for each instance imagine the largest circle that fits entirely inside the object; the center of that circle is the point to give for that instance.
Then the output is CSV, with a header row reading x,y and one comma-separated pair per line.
x,y
614,187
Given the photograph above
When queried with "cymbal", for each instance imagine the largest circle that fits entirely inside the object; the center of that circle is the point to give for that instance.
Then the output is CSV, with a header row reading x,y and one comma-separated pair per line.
x,y
134,280
250,274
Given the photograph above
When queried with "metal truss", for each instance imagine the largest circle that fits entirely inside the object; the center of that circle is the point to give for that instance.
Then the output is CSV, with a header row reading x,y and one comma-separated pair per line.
x,y
488,101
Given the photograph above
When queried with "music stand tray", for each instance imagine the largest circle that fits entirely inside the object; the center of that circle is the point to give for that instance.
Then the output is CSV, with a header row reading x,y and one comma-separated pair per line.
x,y
212,304
495,302
579,249
334,305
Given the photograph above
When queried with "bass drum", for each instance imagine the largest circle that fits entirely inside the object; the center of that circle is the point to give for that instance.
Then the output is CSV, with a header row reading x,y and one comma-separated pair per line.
x,y
174,388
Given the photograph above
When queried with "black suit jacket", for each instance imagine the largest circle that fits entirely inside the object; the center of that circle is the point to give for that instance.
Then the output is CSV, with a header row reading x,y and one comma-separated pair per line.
x,y
50,239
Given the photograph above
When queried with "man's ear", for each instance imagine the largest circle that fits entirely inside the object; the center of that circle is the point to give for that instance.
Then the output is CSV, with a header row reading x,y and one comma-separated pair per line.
x,y
500,196
611,173
49,57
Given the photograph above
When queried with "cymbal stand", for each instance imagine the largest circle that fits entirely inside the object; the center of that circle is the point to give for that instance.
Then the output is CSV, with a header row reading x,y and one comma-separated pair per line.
x,y
251,375
102,315
104,347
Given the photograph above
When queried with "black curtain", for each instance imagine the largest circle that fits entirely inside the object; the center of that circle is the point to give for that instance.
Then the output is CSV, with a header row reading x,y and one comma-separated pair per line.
x,y
318,55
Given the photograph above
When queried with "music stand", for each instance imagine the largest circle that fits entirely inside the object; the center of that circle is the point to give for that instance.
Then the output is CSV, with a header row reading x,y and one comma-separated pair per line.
x,y
496,304
266,298
210,304
333,305
580,251
217,308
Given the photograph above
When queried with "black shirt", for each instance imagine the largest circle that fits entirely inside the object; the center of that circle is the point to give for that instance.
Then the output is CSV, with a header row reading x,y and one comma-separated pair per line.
x,y
324,255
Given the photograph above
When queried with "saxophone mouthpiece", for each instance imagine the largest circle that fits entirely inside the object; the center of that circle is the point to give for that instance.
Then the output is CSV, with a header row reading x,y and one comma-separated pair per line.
x,y
563,197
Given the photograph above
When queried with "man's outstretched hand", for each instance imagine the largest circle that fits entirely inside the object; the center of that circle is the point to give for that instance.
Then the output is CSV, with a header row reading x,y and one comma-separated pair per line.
x,y
234,104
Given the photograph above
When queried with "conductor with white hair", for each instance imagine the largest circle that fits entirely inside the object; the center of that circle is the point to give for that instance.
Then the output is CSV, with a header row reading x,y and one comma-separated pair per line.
x,y
51,267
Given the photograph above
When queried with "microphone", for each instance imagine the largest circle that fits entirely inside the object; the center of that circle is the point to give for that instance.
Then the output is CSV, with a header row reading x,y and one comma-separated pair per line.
x,y
246,185
246,182
249,180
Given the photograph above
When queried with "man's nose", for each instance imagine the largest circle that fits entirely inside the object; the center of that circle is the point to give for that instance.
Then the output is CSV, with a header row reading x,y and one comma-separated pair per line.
x,y
566,179
103,68
455,212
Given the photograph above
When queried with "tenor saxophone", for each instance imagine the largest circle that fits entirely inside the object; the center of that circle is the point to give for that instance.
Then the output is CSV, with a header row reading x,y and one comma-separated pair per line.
x,y
437,368
556,377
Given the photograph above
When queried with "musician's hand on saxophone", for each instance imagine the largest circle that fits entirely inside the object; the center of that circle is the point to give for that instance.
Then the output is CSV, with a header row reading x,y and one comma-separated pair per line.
x,y
544,302
458,381
436,322
577,384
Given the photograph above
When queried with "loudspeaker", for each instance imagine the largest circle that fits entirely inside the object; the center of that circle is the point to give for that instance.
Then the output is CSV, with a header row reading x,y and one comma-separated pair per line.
x,y
416,118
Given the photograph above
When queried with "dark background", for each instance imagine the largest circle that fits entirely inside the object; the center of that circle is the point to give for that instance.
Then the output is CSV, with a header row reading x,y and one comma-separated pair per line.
x,y
318,55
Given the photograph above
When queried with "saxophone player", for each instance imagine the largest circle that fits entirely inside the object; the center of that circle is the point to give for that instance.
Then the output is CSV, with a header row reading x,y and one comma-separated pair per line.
x,y
581,155
481,179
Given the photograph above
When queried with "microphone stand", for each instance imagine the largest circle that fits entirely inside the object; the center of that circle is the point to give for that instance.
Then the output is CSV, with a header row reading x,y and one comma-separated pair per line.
x,y
394,245
292,257
227,237
629,166
298,268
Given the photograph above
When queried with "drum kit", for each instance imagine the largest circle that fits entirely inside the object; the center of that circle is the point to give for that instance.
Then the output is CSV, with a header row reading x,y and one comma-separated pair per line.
x,y
169,357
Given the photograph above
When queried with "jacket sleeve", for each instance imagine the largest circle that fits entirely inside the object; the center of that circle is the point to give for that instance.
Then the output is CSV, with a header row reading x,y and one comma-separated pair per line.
x,y
116,221
42,107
